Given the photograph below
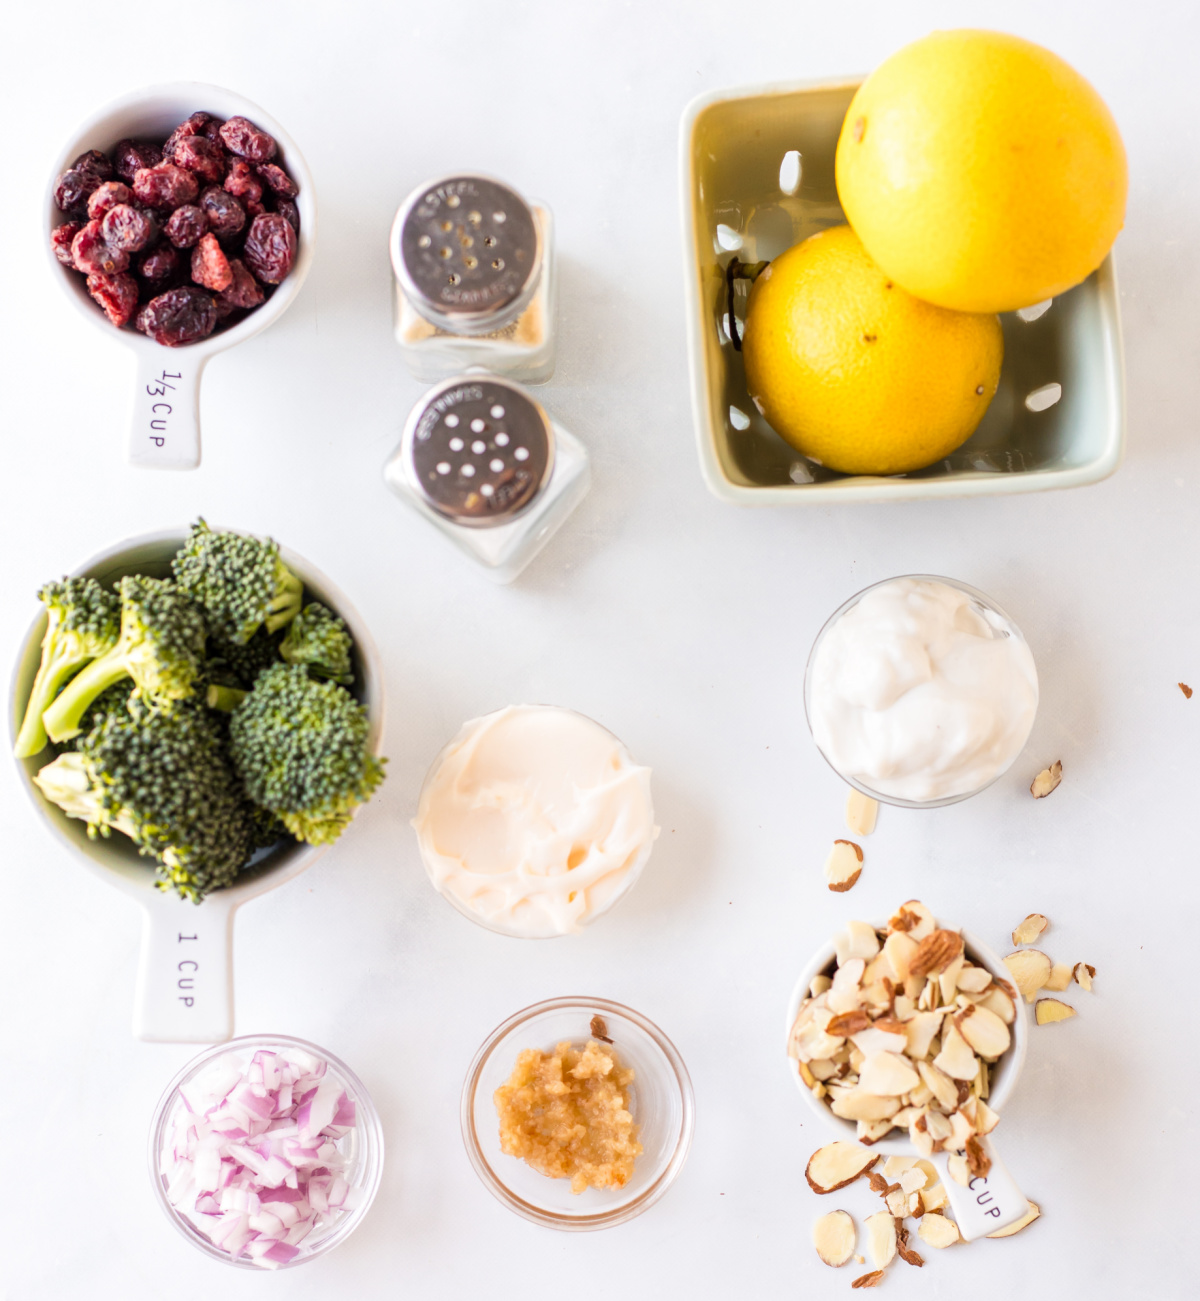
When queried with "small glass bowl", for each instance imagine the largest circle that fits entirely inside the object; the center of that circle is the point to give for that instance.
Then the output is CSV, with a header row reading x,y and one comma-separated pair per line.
x,y
994,616
363,1145
661,1101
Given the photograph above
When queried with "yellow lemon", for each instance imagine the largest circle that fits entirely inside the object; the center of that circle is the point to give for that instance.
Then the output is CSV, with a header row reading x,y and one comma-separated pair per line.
x,y
857,374
981,171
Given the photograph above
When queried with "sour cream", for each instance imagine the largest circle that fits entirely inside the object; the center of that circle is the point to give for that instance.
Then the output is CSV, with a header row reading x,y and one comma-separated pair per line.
x,y
921,692
534,820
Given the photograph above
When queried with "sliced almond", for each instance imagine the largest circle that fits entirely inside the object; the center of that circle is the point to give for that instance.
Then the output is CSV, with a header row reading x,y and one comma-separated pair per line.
x,y
1017,1225
930,1172
938,1231
1059,978
879,968
985,1119
837,1164
847,1024
861,812
1001,1002
1030,928
912,1180
897,1203
934,1198
888,1074
978,1161
843,867
858,940
937,951
961,1133
881,1238
920,1137
819,985
1046,781
861,1105
956,1058
943,1088
938,1125
824,1068
919,1031
974,980
948,979
1047,1011
873,1279
875,1039
957,1168
910,1257
1030,969
1084,975
901,948
833,1236
895,1166
914,919
871,1131
984,1031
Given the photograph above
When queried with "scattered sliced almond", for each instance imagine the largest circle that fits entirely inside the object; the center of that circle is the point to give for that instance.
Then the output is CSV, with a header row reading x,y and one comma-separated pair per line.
x,y
1030,929
873,1279
985,1118
881,1238
1187,691
861,812
837,1164
1030,969
912,1181
959,1171
1084,974
833,1236
858,940
1017,1225
913,919
1046,781
934,1198
1059,978
843,867
1047,1011
897,1203
909,1256
978,1161
895,1166
938,1231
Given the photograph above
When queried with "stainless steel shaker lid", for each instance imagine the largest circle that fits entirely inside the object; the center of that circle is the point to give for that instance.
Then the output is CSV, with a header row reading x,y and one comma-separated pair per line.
x,y
478,450
468,252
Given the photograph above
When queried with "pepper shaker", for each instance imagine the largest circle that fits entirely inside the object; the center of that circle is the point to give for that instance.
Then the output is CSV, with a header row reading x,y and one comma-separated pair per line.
x,y
482,461
473,265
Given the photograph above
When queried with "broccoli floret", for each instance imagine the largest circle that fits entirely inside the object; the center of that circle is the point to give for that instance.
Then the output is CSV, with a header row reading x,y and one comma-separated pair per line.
x,y
160,646
318,639
83,623
301,749
116,699
246,661
240,581
158,774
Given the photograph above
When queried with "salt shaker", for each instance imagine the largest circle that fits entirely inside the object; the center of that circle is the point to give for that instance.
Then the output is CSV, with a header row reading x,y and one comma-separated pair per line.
x,y
480,459
473,264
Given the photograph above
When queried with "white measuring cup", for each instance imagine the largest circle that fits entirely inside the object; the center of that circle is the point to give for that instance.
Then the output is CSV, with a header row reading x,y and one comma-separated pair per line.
x,y
185,973
987,1204
164,430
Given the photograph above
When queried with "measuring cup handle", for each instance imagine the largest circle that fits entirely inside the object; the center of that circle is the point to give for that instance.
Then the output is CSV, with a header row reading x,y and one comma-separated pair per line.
x,y
185,975
986,1204
164,432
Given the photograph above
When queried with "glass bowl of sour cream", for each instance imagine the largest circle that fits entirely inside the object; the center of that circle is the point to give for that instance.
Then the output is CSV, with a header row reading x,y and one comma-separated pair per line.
x,y
920,691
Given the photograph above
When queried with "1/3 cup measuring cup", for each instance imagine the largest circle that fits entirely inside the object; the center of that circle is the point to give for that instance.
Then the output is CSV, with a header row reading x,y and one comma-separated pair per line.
x,y
988,1203
164,431
185,974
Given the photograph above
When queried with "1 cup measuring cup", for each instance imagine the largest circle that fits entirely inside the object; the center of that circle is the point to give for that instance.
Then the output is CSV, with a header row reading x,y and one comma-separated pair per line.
x,y
987,1203
164,431
185,974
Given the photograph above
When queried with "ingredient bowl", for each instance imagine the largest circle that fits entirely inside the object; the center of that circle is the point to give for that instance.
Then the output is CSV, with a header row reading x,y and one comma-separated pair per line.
x,y
164,431
975,1208
757,176
358,1158
185,974
660,1099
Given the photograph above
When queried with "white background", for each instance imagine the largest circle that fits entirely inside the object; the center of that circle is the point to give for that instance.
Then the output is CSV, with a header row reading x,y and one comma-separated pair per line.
x,y
680,623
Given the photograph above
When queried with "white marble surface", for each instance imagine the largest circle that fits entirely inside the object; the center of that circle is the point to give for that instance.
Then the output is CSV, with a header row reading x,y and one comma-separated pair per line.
x,y
680,623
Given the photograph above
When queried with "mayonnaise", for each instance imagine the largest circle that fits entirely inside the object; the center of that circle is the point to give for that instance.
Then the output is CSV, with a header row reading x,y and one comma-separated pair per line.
x,y
920,693
534,820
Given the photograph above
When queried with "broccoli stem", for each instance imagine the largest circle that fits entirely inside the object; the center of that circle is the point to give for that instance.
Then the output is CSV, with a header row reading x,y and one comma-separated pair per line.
x,y
50,680
286,603
63,717
226,699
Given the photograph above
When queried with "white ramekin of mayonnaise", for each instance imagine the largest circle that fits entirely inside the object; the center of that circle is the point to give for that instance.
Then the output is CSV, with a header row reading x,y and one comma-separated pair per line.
x,y
534,821
920,691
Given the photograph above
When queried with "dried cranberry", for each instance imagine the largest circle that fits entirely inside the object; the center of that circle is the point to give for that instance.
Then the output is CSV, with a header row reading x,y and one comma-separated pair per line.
x,y
212,129
94,163
243,181
194,126
243,290
225,214
198,154
286,208
129,228
179,316
243,138
132,155
270,247
92,253
117,294
159,264
60,242
210,267
278,180
185,226
165,186
108,195
73,189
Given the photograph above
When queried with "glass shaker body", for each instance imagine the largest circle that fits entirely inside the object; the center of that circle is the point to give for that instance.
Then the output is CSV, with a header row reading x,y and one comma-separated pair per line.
x,y
482,461
474,281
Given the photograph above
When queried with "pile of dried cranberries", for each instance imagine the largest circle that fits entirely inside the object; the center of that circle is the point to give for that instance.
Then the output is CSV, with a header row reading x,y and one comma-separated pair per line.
x,y
182,237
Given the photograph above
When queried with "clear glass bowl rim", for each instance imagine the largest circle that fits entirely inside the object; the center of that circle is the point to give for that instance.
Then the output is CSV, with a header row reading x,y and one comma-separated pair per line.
x,y
367,1119
603,1219
895,800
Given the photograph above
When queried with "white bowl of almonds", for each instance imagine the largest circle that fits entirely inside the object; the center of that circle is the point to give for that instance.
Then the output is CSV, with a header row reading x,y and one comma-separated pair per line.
x,y
907,1040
